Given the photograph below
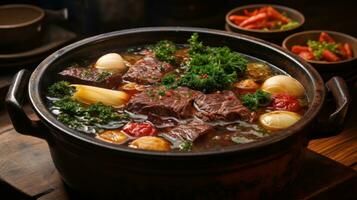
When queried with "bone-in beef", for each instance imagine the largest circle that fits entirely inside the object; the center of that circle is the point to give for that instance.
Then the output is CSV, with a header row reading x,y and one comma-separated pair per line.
x,y
148,70
91,76
221,106
186,132
160,101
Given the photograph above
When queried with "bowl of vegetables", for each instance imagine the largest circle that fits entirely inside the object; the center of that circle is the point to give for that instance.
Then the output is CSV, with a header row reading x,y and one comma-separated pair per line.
x,y
265,21
331,53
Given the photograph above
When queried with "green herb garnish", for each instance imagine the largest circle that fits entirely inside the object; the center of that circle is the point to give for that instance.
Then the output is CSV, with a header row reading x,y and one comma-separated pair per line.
x,y
255,100
61,89
76,115
290,25
161,92
318,48
168,79
165,51
102,76
186,145
207,78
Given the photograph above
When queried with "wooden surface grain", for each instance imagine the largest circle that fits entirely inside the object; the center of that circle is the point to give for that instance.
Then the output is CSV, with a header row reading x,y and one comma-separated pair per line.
x,y
343,147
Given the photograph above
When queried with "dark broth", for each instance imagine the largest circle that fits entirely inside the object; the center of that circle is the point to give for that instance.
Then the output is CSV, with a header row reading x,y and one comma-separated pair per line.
x,y
224,133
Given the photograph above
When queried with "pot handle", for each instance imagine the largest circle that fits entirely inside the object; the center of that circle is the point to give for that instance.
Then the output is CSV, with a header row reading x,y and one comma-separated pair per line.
x,y
332,124
14,101
56,15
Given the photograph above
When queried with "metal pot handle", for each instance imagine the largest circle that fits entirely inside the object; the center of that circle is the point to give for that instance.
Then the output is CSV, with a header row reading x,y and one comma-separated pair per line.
x,y
14,102
332,124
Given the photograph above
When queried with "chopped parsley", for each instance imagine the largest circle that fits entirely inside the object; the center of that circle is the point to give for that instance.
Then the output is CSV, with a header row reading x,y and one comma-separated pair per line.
x,y
186,145
61,89
290,25
165,51
102,76
255,100
318,48
76,115
161,92
209,68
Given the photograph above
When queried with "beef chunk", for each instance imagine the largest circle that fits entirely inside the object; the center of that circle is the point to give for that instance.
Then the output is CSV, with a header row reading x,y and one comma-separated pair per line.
x,y
221,106
160,101
148,70
91,76
186,132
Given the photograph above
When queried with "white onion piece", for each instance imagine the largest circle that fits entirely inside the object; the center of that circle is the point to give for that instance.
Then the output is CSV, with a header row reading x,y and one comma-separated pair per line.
x,y
90,94
278,120
111,62
283,84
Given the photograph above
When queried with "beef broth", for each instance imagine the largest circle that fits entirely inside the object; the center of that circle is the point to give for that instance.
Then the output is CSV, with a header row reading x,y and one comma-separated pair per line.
x,y
158,106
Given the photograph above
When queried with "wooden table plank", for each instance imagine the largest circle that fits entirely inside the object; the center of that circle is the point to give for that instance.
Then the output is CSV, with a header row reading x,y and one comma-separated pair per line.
x,y
343,147
25,163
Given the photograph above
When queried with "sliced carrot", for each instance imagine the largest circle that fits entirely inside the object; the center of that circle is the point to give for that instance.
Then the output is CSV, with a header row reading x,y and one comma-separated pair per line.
x,y
237,19
254,19
276,15
249,14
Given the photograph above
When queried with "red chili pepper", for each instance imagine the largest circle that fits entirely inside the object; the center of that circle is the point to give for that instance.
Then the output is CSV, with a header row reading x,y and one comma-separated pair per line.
x,y
348,50
330,56
307,55
298,49
285,102
254,19
237,19
276,15
139,129
324,37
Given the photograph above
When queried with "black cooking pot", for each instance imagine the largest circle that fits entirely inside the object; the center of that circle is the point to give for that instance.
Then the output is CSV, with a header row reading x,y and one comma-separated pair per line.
x,y
100,169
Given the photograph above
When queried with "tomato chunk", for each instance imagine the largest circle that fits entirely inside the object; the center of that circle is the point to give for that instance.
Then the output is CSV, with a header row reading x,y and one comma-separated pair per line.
x,y
324,37
307,55
330,56
139,129
298,49
285,102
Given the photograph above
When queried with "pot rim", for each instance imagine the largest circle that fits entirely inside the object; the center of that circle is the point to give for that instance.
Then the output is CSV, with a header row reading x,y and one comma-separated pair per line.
x,y
41,15
47,117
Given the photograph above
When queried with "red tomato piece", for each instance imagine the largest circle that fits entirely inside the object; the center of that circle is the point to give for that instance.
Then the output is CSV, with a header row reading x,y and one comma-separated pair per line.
x,y
330,56
348,50
139,129
307,55
324,37
285,102
298,49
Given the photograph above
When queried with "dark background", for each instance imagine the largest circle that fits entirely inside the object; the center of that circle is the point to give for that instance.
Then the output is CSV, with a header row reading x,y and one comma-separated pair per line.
x,y
88,17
